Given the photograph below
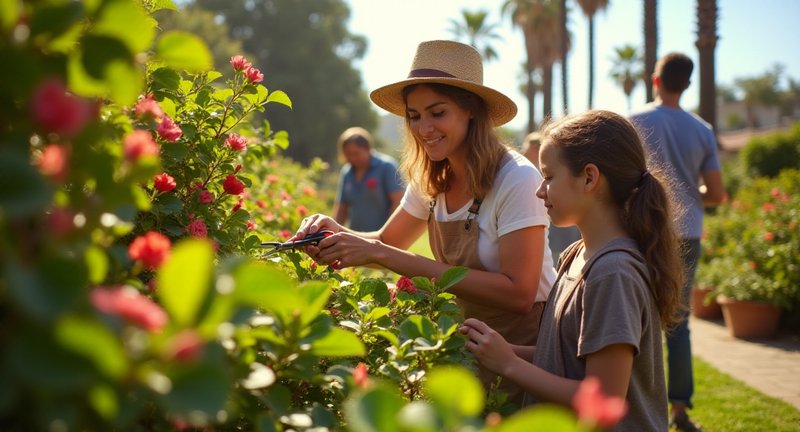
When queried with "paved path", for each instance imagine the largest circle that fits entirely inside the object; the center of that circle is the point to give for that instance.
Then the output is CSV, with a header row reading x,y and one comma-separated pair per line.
x,y
770,366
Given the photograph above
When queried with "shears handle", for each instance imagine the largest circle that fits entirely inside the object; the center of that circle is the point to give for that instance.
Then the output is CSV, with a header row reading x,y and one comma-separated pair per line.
x,y
312,239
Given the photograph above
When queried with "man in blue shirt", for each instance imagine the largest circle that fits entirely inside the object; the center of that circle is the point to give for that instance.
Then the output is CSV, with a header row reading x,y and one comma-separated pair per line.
x,y
684,144
370,187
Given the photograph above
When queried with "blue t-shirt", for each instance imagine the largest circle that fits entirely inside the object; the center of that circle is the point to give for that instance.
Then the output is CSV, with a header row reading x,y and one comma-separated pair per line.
x,y
685,145
368,200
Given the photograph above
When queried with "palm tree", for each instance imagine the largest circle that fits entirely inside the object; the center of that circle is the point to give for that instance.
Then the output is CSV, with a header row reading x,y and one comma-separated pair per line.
x,y
539,21
476,31
706,46
590,9
627,69
650,44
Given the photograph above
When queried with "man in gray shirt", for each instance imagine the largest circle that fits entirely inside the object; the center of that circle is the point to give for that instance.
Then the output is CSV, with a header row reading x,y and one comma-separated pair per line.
x,y
686,146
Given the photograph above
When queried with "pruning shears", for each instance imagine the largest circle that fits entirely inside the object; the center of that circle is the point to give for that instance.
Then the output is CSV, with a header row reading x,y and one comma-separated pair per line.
x,y
311,239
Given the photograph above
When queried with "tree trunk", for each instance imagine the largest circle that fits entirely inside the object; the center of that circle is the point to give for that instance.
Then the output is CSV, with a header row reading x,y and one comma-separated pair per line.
x,y
591,62
547,93
650,45
706,46
531,93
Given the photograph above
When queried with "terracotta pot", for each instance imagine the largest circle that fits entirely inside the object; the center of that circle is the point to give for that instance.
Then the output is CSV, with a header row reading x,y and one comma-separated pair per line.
x,y
709,311
746,319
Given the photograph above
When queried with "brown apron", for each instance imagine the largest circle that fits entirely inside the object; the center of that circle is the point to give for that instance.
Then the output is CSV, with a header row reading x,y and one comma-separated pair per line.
x,y
456,243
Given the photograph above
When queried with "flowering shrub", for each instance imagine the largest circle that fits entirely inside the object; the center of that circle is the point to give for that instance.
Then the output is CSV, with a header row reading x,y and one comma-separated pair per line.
x,y
752,245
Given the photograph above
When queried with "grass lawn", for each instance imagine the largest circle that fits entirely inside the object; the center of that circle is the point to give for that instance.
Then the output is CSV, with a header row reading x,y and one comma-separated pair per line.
x,y
724,404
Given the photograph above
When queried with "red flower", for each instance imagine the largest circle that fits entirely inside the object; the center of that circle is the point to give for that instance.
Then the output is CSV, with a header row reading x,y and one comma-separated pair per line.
x,y
60,221
309,191
251,225
151,249
285,233
185,346
769,236
272,179
595,408
253,75
147,106
361,376
197,228
139,143
168,130
205,197
372,183
405,284
237,206
233,185
236,142
54,162
131,305
58,111
302,210
239,63
164,182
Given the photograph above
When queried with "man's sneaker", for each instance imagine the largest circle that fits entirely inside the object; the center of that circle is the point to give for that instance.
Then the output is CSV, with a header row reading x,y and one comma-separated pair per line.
x,y
681,422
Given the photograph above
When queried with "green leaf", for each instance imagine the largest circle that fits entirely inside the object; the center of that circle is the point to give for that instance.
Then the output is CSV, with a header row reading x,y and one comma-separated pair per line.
x,y
263,286
52,19
163,4
128,21
316,295
281,139
38,361
23,192
418,326
279,97
541,418
9,13
94,341
455,390
185,279
374,411
48,290
165,79
104,400
97,264
168,204
184,51
338,343
450,277
202,387
104,67
419,416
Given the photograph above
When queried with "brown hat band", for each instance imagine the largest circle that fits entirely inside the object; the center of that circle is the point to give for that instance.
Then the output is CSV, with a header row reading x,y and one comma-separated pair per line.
x,y
429,73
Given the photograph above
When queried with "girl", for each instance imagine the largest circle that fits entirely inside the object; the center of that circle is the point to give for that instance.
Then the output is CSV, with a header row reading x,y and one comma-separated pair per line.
x,y
471,193
616,288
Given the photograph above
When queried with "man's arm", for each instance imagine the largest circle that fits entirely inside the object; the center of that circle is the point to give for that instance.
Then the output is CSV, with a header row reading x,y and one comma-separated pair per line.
x,y
340,214
712,190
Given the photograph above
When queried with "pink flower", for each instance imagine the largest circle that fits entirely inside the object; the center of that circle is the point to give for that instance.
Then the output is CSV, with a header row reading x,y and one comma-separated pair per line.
x,y
361,376
168,130
272,179
405,284
185,346
164,182
595,408
205,197
151,249
302,210
197,228
309,191
130,305
285,233
139,143
372,183
148,107
54,162
286,195
239,63
233,185
236,142
57,111
769,236
253,75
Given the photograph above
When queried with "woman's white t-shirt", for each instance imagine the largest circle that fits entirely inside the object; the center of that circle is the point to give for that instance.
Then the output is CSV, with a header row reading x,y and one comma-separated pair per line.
x,y
510,205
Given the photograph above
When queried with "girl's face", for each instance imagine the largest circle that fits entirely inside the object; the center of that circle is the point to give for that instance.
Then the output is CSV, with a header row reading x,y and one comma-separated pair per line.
x,y
561,191
437,123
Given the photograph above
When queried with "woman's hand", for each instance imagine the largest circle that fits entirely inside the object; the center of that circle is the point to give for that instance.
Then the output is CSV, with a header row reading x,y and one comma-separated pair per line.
x,y
345,249
488,346
315,223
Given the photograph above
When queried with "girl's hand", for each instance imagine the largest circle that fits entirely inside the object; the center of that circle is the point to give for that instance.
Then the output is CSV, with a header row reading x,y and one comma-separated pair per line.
x,y
315,223
487,345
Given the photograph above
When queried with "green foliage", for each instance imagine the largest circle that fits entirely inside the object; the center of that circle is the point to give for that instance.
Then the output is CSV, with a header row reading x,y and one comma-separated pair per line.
x,y
752,246
767,156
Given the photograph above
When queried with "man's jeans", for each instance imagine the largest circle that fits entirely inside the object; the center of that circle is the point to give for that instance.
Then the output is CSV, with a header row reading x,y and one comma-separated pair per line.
x,y
680,380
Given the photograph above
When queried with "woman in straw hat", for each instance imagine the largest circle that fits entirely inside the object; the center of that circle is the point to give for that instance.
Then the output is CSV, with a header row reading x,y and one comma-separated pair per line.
x,y
473,194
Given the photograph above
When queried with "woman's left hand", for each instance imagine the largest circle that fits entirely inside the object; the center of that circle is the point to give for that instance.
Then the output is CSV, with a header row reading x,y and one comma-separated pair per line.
x,y
488,346
345,249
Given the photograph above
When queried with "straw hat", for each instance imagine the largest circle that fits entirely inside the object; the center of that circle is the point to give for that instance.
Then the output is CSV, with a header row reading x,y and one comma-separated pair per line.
x,y
451,63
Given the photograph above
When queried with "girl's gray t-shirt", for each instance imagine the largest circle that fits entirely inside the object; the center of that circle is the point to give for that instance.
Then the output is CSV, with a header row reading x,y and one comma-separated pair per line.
x,y
612,305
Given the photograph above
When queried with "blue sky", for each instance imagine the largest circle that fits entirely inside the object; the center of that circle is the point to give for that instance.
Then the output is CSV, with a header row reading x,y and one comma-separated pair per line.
x,y
753,37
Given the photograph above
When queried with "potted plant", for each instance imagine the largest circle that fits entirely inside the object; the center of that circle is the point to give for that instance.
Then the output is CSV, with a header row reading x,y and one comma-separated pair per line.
x,y
704,299
757,254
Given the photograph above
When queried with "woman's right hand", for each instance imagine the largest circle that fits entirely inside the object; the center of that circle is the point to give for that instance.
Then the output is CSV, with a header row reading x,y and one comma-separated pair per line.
x,y
315,223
